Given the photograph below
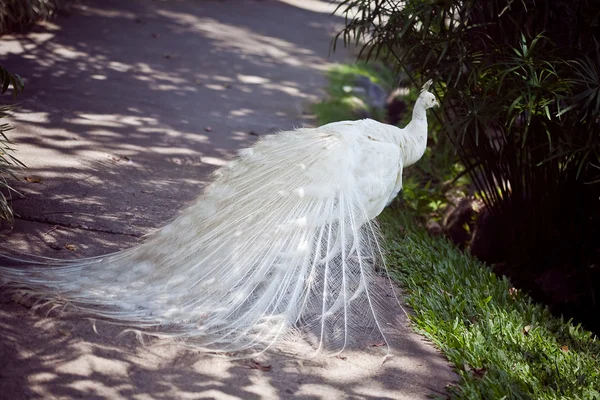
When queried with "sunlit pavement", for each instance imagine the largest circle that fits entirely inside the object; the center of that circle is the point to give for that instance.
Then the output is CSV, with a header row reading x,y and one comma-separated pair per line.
x,y
129,105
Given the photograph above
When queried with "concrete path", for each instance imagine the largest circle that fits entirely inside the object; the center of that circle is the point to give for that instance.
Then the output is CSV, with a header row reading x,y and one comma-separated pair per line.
x,y
128,107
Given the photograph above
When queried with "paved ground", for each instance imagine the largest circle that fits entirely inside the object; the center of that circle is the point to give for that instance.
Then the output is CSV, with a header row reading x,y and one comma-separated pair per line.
x,y
128,107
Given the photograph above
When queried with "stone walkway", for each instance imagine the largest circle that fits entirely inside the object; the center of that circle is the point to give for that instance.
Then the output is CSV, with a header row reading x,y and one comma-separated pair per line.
x,y
128,107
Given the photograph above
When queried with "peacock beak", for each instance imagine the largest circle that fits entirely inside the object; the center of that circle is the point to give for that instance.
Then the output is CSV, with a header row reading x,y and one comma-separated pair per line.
x,y
436,103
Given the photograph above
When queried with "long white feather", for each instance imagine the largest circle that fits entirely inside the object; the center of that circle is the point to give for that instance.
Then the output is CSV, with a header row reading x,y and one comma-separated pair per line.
x,y
283,241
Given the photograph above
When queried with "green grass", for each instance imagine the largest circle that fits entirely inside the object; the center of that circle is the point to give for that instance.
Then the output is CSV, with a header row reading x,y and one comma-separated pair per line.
x,y
502,344
339,106
342,74
334,109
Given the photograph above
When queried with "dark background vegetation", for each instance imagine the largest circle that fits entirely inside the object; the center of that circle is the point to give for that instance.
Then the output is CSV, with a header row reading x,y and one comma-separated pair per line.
x,y
519,82
16,16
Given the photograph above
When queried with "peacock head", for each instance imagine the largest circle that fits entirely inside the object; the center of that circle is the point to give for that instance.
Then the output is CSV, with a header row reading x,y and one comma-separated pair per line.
x,y
427,98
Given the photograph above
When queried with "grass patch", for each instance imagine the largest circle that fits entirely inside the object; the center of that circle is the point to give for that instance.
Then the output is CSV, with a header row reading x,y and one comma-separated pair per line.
x,y
502,344
341,104
335,109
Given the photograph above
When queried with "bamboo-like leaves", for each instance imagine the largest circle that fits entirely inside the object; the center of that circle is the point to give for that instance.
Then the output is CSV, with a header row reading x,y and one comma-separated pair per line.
x,y
16,15
521,84
8,162
10,80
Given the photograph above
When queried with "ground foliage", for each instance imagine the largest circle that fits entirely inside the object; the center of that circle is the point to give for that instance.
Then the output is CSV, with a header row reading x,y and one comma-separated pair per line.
x,y
502,344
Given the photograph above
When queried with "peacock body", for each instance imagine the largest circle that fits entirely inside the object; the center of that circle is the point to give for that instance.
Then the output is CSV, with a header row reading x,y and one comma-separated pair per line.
x,y
283,241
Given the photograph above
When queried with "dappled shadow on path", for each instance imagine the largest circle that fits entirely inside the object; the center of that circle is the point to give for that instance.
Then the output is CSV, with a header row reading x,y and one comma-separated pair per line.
x,y
64,358
129,105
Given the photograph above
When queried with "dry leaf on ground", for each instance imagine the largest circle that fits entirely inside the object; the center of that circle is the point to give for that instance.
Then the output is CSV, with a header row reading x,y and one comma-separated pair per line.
x,y
256,365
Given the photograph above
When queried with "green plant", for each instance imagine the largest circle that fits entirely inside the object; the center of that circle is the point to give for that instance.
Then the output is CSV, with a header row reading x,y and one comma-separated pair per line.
x,y
7,161
428,187
16,15
341,103
519,82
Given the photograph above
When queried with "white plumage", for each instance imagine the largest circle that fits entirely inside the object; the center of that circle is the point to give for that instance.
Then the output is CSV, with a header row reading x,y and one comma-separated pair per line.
x,y
282,241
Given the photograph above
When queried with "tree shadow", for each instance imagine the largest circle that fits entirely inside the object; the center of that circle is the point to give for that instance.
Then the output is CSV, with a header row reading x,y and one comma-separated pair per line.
x,y
128,107
47,357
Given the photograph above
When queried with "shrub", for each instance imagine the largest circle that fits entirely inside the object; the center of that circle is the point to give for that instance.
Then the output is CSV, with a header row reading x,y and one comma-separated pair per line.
x,y
17,15
7,162
520,88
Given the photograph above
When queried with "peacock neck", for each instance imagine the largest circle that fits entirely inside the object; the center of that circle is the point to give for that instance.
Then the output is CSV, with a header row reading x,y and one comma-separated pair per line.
x,y
414,140
419,113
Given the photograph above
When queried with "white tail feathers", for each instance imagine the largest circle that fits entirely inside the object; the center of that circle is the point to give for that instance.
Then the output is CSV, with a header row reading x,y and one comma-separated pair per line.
x,y
281,243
